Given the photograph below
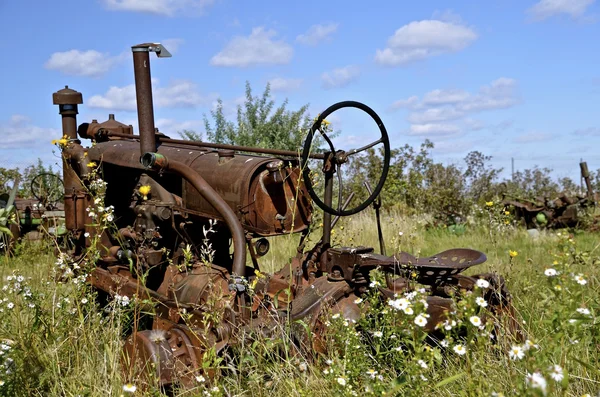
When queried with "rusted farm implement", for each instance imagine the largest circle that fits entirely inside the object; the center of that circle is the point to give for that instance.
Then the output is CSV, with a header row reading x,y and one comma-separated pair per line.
x,y
172,198
33,217
554,213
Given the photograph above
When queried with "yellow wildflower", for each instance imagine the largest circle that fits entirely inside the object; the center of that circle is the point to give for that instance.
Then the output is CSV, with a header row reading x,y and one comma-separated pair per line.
x,y
512,253
506,212
144,191
91,164
506,222
489,203
62,142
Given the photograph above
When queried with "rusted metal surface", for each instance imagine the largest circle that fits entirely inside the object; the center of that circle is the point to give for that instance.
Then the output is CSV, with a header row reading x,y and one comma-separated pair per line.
x,y
238,148
177,207
143,94
95,130
265,208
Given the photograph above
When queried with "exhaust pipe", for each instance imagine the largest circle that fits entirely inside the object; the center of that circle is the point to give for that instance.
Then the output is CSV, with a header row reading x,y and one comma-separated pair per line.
x,y
143,92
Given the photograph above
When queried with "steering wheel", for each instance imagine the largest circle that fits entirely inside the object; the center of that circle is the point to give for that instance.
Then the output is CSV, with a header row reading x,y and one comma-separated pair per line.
x,y
47,188
335,159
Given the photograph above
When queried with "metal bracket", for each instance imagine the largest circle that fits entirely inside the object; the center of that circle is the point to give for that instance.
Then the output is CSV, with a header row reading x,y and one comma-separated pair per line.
x,y
158,48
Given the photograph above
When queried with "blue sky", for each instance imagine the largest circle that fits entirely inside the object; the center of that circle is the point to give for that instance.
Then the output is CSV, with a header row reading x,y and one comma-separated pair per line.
x,y
511,78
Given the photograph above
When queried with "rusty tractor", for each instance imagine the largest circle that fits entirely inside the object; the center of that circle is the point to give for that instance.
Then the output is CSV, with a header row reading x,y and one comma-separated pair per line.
x,y
172,199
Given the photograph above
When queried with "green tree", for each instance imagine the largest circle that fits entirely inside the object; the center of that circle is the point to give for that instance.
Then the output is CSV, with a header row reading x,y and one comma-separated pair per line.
x,y
258,124
530,183
480,176
7,178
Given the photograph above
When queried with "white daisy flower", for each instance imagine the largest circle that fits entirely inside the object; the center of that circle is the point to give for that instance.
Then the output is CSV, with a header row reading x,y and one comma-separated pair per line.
x,y
200,379
475,320
341,381
420,320
550,272
580,279
423,364
399,304
481,283
129,388
459,349
358,300
556,373
536,381
516,353
481,302
372,373
378,334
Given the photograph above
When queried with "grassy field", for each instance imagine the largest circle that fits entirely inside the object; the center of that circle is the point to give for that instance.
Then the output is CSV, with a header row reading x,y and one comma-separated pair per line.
x,y
56,341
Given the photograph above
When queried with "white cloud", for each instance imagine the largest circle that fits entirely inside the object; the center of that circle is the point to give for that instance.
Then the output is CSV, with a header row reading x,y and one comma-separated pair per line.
x,y
445,97
410,102
435,115
280,84
423,39
317,34
433,129
474,125
19,132
178,94
340,77
89,63
548,8
499,94
159,7
590,131
453,104
431,113
260,48
532,137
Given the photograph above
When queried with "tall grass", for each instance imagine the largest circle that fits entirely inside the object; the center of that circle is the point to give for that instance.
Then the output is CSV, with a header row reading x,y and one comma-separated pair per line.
x,y
59,342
